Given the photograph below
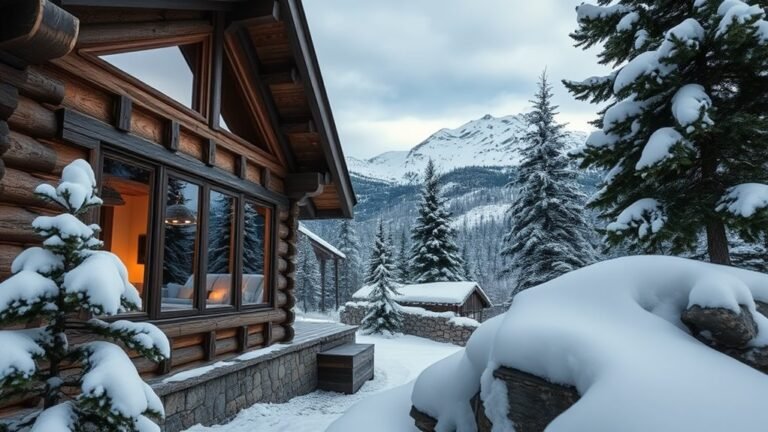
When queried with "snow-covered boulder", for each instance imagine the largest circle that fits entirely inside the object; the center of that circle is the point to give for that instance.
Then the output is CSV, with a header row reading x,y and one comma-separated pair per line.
x,y
613,333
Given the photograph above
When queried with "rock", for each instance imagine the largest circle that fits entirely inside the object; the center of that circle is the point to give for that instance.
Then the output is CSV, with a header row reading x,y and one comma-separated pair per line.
x,y
534,402
723,326
422,421
762,307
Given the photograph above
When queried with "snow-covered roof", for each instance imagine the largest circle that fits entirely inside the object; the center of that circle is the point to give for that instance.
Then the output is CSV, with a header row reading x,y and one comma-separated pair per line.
x,y
454,293
320,241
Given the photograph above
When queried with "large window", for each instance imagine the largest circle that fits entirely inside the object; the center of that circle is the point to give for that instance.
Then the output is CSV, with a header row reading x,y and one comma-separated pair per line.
x,y
196,248
180,243
125,215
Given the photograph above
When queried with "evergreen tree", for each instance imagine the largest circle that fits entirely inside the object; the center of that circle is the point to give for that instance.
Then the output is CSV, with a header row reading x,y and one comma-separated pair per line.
x,y
686,123
548,234
222,213
253,240
307,276
52,289
469,270
179,241
383,314
434,255
350,274
403,268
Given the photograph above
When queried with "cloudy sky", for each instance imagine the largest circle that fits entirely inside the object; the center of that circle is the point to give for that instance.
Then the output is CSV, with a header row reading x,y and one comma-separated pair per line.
x,y
399,70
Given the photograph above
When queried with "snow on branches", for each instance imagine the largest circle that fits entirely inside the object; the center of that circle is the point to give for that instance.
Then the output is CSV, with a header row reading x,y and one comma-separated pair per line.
x,y
51,287
685,120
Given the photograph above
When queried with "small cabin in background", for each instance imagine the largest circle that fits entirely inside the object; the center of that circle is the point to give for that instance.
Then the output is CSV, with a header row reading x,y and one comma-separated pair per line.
x,y
466,299
325,252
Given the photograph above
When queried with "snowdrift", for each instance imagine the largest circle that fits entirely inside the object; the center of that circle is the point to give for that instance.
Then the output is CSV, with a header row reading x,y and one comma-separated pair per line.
x,y
612,331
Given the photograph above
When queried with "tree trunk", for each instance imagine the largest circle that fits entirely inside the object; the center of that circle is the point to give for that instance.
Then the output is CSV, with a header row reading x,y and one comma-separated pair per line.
x,y
717,243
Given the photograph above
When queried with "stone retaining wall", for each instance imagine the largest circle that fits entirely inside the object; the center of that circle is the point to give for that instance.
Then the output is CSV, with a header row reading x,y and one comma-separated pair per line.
x,y
437,326
274,375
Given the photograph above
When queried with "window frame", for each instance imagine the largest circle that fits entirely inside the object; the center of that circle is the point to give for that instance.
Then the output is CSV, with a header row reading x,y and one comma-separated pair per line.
x,y
201,91
146,295
160,173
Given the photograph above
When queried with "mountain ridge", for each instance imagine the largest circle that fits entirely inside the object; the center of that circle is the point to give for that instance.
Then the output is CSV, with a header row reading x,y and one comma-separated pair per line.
x,y
485,142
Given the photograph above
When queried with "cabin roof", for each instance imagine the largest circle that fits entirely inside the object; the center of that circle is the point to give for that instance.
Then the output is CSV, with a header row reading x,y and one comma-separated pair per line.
x,y
450,293
273,42
319,242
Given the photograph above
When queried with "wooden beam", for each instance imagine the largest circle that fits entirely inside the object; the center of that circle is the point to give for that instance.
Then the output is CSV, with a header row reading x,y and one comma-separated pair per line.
x,y
123,112
33,119
204,5
75,124
305,185
302,127
172,136
29,154
217,60
281,78
267,333
5,139
209,152
209,345
255,13
241,166
9,100
114,35
242,338
34,84
37,31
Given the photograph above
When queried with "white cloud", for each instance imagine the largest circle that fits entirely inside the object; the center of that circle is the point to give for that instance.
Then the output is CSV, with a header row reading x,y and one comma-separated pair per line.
x,y
399,70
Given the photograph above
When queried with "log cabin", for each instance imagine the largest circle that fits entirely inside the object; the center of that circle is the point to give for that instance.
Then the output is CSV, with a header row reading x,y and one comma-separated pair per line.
x,y
209,128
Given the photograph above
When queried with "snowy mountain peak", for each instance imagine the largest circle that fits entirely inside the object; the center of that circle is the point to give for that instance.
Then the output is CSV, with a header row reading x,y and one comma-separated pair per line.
x,y
487,141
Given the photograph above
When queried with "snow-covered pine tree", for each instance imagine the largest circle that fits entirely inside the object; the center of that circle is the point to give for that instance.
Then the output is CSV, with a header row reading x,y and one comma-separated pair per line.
x,y
383,314
467,267
52,287
222,214
683,138
350,269
434,255
403,268
307,276
253,240
547,231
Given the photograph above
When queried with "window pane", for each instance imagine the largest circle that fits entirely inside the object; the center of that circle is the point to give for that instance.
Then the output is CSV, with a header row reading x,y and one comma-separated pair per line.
x,y
180,237
125,217
168,69
254,264
219,282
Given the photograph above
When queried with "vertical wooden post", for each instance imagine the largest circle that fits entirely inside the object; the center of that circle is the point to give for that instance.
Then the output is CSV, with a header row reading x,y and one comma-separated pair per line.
x,y
209,345
322,284
336,280
242,338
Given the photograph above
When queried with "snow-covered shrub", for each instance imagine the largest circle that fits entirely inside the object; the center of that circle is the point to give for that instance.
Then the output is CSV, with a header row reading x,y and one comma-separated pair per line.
x,y
53,287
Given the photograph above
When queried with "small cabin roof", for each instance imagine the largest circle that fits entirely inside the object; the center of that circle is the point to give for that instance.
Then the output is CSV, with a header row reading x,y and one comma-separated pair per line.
x,y
451,293
319,242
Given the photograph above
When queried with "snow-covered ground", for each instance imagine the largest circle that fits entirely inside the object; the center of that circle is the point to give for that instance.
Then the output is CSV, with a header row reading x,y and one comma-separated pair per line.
x,y
398,361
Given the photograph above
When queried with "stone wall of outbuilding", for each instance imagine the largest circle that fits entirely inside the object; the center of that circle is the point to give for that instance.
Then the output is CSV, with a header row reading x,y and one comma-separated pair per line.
x,y
438,326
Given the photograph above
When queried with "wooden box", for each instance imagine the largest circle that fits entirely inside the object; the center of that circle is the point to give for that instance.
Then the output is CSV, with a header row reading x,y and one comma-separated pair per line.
x,y
345,368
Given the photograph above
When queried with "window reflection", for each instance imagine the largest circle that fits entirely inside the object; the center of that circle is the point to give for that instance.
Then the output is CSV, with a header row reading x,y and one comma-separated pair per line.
x,y
180,235
125,217
219,282
254,264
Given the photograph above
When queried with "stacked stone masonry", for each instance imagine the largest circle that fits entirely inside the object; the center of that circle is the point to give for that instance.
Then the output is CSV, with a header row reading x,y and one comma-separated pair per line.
x,y
217,396
439,327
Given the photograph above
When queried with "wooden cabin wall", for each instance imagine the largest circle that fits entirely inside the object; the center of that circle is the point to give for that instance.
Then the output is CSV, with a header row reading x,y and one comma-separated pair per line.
x,y
31,152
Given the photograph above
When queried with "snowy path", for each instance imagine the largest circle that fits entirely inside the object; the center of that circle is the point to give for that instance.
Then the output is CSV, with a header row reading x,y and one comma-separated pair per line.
x,y
397,361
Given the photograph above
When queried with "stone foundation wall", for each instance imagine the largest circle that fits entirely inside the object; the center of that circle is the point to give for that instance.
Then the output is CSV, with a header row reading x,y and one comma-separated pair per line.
x,y
437,326
274,375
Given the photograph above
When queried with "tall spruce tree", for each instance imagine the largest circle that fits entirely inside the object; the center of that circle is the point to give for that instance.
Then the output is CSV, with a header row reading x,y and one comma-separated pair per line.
x,y
350,269
686,126
548,234
56,291
434,255
179,240
383,314
403,267
222,215
307,276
